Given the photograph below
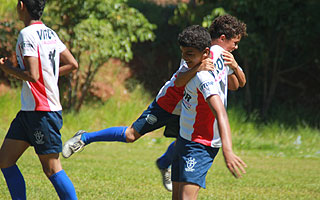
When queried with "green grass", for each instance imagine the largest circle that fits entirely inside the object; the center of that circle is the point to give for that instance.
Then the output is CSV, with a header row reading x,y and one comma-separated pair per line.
x,y
277,168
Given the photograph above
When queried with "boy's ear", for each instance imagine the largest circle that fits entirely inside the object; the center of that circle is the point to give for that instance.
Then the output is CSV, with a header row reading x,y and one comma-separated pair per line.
x,y
21,5
206,52
222,37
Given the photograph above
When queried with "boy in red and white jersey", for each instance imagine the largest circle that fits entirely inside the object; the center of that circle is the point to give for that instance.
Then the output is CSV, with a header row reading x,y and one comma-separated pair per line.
x,y
42,58
204,125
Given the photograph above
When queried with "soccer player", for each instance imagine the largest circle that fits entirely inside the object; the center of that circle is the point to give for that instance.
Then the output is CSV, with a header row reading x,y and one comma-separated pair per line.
x,y
42,58
236,78
204,125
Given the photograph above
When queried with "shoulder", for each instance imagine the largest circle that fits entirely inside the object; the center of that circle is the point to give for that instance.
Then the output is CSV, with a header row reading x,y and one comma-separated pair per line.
x,y
201,78
216,52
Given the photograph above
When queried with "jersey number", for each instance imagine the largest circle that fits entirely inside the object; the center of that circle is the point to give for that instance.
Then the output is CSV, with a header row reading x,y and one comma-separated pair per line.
x,y
52,55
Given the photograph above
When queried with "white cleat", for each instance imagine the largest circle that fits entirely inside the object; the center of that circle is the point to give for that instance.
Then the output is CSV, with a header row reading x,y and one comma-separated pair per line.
x,y
166,178
73,145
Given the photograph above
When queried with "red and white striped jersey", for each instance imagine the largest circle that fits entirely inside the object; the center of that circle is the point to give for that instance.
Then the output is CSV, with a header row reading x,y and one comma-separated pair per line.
x,y
37,40
170,96
197,122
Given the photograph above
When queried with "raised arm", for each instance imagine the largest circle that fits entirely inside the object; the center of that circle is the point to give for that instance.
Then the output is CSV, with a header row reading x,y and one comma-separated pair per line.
x,y
30,73
184,77
67,62
233,162
238,73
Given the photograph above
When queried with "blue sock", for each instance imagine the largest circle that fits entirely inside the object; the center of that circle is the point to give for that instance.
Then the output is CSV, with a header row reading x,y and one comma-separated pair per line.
x,y
63,185
166,159
109,134
15,182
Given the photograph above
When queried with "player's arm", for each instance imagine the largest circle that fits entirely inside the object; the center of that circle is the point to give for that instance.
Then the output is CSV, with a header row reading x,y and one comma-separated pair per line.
x,y
184,77
30,73
233,162
67,62
238,73
233,83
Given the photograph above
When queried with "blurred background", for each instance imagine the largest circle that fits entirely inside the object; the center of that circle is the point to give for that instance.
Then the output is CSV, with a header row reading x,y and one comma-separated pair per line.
x,y
134,42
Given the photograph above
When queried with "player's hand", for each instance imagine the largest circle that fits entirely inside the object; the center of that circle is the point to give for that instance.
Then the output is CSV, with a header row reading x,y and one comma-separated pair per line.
x,y
4,61
206,65
234,164
229,60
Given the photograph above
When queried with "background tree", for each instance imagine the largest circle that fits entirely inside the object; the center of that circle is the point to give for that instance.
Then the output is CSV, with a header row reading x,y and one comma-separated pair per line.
x,y
280,57
96,31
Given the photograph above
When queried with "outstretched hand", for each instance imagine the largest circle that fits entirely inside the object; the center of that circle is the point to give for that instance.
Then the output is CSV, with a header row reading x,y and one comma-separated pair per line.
x,y
234,164
229,60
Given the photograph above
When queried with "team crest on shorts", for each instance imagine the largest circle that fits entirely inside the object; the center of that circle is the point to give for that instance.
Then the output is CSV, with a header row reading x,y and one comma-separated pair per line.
x,y
151,119
191,162
39,137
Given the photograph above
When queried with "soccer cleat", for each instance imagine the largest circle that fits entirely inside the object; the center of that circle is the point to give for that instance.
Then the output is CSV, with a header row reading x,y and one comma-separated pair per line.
x,y
166,177
73,145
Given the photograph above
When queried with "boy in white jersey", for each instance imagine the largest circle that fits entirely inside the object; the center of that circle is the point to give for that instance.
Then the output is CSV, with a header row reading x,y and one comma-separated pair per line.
x,y
236,78
42,58
204,125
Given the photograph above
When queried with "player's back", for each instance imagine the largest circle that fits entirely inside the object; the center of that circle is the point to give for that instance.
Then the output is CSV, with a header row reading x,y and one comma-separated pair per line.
x,y
37,40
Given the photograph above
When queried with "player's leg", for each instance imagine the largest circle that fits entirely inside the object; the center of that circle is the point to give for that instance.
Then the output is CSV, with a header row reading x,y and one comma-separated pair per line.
x,y
83,138
188,191
151,119
52,168
14,144
48,145
10,152
175,190
194,160
164,162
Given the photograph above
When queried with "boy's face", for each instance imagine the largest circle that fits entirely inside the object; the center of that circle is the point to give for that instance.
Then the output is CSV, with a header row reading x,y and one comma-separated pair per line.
x,y
193,56
230,45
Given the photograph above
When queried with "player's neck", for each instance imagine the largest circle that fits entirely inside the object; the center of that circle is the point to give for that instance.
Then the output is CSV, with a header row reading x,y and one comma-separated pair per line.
x,y
28,21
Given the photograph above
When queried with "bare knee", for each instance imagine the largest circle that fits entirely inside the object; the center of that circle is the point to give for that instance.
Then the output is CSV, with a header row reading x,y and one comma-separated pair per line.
x,y
48,171
50,164
132,135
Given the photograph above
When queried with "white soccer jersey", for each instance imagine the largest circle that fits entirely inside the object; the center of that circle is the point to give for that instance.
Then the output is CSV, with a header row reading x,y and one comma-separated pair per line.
x,y
39,41
197,122
170,96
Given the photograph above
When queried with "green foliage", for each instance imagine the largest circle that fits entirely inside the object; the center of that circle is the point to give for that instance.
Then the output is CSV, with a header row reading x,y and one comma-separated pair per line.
x,y
98,31
7,8
279,57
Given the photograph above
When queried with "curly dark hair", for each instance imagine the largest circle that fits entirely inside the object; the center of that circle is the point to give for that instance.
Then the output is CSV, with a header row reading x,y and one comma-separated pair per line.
x,y
35,8
195,36
227,25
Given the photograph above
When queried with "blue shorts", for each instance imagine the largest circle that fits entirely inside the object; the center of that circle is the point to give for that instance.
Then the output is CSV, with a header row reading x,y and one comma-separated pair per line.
x,y
40,129
154,118
191,162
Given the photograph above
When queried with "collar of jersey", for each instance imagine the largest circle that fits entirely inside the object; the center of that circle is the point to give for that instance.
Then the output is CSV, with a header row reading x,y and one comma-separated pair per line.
x,y
39,22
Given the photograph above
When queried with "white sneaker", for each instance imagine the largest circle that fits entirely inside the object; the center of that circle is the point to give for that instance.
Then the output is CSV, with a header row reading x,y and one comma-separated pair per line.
x,y
166,177
73,145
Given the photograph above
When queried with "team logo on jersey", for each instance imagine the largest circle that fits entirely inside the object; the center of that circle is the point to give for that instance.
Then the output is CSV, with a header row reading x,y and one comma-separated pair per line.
x,y
206,85
39,137
26,45
151,119
191,162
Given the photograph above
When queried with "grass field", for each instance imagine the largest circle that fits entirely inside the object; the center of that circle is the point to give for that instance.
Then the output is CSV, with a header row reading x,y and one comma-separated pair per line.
x,y
277,167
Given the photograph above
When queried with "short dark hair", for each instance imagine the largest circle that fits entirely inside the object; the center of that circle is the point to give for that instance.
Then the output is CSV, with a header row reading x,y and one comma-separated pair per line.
x,y
35,8
195,36
227,25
